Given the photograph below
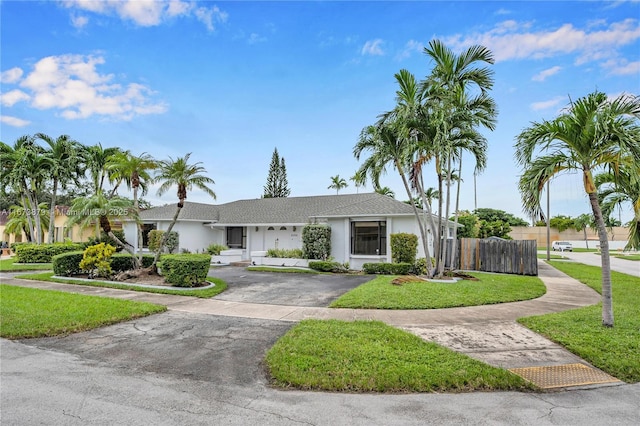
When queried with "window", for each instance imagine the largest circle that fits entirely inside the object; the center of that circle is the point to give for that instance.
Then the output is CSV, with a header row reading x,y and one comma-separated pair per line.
x,y
146,228
369,238
236,237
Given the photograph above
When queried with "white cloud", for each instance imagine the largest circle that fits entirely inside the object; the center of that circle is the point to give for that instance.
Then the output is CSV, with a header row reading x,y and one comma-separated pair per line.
x,y
12,97
514,40
542,75
410,48
148,13
372,47
72,85
537,106
622,67
79,21
255,38
11,76
14,121
503,11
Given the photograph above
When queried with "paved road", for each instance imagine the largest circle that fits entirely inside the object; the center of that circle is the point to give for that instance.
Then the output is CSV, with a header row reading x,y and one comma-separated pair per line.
x,y
201,363
617,264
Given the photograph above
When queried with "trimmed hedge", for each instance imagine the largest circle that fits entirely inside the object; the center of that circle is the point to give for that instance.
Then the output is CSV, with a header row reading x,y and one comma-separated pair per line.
x,y
388,268
105,238
43,253
68,264
185,270
326,266
295,253
404,248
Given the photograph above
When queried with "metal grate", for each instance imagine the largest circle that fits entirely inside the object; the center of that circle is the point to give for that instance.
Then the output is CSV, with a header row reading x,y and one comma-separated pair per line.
x,y
561,376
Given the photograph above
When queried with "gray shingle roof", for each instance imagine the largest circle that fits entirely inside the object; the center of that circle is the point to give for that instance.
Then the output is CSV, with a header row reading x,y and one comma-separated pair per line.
x,y
292,210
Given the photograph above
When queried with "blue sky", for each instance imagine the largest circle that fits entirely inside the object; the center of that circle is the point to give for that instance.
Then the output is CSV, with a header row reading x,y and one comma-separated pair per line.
x,y
229,81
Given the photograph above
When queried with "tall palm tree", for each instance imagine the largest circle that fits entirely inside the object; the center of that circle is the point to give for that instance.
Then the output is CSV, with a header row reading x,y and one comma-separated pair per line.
x,y
63,153
96,159
185,176
18,223
134,172
385,190
593,132
337,183
581,223
100,209
357,181
617,189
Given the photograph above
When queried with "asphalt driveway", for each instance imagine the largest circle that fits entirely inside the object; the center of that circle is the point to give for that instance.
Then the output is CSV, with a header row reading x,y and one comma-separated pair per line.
x,y
291,289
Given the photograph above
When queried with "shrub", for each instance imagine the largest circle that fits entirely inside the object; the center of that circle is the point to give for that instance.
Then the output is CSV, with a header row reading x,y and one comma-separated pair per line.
x,y
420,266
215,249
185,270
96,260
42,253
67,264
388,268
123,261
155,238
105,238
286,253
404,247
316,242
326,266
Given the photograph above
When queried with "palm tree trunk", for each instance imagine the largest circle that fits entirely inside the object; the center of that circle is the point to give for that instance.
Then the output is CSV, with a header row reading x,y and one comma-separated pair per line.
x,y
166,235
607,302
423,233
438,236
27,212
454,252
586,241
444,248
52,211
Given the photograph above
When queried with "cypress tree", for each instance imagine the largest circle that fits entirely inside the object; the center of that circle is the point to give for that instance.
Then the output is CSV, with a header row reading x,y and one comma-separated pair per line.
x,y
277,184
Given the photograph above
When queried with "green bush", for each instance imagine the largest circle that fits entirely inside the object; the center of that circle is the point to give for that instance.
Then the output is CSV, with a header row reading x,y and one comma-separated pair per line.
x,y
123,261
404,248
388,268
185,270
327,266
105,238
13,246
215,249
42,253
316,242
155,238
96,260
67,264
286,253
420,266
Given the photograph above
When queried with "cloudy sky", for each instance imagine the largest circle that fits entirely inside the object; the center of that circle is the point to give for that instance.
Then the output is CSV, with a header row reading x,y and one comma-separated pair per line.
x,y
230,81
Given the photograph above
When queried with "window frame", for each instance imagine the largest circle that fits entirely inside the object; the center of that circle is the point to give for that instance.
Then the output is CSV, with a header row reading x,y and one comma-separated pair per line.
x,y
356,247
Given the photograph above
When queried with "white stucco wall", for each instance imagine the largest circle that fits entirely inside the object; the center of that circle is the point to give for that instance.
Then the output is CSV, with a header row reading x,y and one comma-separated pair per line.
x,y
193,236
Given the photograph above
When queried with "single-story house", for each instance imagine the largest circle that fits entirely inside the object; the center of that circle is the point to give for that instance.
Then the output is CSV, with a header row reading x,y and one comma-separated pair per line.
x,y
360,225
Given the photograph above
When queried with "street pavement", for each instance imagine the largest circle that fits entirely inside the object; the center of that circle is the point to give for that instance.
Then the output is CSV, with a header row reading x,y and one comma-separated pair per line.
x,y
201,363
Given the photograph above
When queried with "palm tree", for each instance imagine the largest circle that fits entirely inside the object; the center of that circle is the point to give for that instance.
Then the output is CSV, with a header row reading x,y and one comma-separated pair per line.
x,y
134,172
337,183
616,189
18,222
185,176
581,223
386,191
64,167
593,132
357,181
100,209
96,158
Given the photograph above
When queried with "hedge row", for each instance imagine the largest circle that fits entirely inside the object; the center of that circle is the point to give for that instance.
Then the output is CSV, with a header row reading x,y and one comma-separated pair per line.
x,y
43,253
185,270
68,264
326,266
388,268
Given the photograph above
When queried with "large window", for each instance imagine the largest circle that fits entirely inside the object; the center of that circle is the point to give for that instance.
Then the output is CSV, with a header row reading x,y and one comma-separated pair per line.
x,y
146,228
237,237
369,238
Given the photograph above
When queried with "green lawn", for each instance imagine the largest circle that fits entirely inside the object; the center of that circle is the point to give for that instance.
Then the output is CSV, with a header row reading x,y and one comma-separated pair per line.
x,y
551,256
7,265
379,293
29,312
369,356
220,285
615,350
628,256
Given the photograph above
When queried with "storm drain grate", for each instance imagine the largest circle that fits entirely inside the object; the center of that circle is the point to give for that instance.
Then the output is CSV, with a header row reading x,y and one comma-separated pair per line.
x,y
561,376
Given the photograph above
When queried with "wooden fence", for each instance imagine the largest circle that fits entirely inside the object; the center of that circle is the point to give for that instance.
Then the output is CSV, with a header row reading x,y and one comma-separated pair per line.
x,y
504,256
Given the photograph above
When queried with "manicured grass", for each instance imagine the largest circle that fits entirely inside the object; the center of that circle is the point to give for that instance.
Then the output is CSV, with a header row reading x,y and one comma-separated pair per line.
x,y
551,256
282,269
8,265
29,312
628,256
369,356
220,285
379,293
615,350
